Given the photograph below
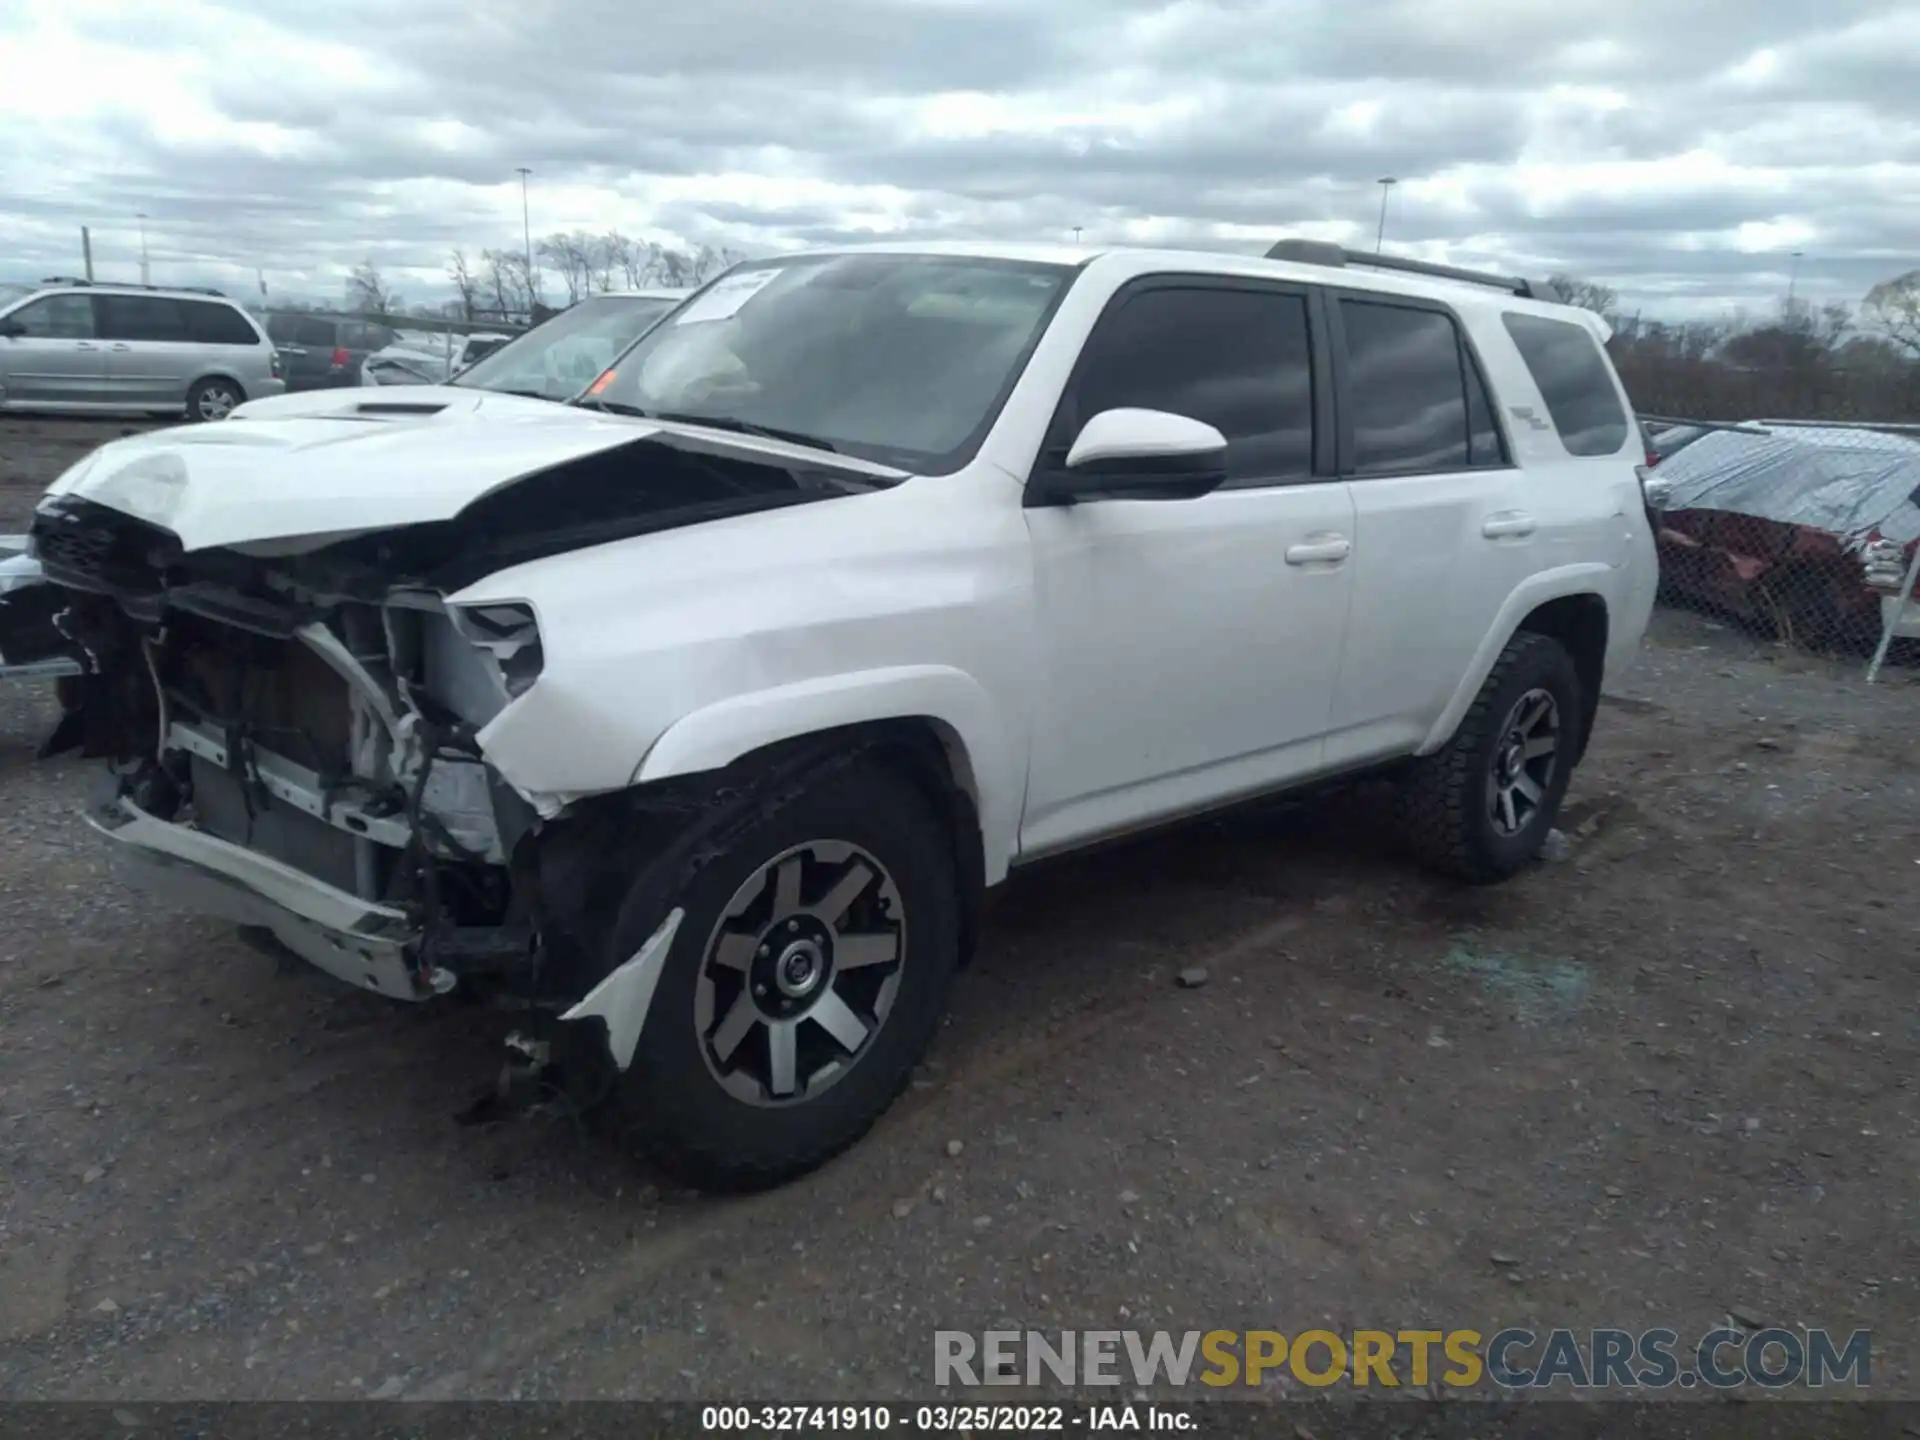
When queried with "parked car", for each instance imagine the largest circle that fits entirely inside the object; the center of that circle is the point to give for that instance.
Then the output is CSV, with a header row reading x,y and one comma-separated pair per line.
x,y
1803,531
554,360
324,352
699,715
425,363
74,346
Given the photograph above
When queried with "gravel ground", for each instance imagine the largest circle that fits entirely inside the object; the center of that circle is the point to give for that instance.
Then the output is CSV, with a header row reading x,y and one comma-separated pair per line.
x,y
1666,1078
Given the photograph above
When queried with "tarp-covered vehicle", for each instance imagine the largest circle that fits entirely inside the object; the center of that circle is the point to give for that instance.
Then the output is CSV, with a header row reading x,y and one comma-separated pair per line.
x,y
1803,530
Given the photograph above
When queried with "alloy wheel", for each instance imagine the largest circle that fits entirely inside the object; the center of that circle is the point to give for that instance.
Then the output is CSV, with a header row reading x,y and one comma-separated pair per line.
x,y
800,973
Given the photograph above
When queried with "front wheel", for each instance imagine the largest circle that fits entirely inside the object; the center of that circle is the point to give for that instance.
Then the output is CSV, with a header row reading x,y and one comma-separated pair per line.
x,y
1480,809
805,981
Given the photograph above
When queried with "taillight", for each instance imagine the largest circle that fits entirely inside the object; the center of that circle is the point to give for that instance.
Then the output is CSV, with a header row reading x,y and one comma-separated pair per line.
x,y
340,357
273,365
1885,565
1654,492
1653,458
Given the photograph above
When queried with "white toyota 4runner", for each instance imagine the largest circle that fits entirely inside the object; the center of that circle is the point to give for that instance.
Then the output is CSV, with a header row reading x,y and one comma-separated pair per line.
x,y
697,715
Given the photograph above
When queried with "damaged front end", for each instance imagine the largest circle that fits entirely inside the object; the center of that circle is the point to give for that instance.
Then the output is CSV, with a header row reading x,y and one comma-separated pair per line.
x,y
294,749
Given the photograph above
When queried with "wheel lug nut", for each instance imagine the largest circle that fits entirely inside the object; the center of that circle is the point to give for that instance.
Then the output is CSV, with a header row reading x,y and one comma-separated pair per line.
x,y
793,924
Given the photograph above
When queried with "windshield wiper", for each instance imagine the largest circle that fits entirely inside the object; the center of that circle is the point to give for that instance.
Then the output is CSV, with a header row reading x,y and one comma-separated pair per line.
x,y
612,407
530,394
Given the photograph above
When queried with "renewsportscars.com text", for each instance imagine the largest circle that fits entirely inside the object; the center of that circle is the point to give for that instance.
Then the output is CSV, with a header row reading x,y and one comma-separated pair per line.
x,y
1511,1359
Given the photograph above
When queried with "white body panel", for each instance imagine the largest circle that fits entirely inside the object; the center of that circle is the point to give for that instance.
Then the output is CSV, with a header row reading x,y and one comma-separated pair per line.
x,y
1092,668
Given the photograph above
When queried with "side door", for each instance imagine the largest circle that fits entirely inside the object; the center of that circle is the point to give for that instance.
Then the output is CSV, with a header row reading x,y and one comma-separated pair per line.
x,y
150,356
55,358
1189,646
306,344
1443,527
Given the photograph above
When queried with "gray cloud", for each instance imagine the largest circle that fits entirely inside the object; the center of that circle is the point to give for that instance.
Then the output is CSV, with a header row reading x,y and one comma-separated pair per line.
x,y
1676,149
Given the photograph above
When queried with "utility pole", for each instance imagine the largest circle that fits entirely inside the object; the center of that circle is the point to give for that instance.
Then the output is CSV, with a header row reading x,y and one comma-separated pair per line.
x,y
526,235
145,276
1386,183
86,252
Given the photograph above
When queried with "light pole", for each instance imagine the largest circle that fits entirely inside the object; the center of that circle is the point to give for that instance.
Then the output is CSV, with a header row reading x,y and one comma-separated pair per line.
x,y
144,268
1076,234
1386,183
1793,276
526,236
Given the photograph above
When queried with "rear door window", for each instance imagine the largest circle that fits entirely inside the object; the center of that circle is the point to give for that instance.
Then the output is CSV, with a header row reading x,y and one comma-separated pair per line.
x,y
308,330
1406,389
1575,380
140,317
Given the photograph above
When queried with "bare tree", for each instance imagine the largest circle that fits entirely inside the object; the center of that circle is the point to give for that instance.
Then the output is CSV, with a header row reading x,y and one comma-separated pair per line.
x,y
465,282
505,280
1893,309
367,293
1588,295
611,256
572,254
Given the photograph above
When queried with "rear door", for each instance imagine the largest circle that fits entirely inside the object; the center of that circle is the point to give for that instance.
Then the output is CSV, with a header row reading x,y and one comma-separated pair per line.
x,y
305,343
57,360
150,355
1444,527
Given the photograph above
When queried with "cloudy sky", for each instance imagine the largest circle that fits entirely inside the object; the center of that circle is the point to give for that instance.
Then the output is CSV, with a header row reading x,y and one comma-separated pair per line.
x,y
1679,150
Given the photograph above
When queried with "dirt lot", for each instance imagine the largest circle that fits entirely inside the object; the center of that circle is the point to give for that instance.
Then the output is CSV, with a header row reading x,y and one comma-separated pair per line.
x,y
1666,1078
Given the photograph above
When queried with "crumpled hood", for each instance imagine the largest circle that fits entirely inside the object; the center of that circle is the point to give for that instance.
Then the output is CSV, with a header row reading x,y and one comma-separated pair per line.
x,y
284,486
383,402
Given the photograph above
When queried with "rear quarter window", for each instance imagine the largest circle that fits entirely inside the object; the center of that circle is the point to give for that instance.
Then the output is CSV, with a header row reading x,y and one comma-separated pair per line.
x,y
1566,362
211,323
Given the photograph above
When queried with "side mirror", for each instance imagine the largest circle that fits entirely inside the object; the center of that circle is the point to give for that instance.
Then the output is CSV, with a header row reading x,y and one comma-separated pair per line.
x,y
12,329
1130,454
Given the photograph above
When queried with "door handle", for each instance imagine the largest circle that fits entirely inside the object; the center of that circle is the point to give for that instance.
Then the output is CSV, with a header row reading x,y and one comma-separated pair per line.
x,y
86,345
1331,547
1507,522
120,347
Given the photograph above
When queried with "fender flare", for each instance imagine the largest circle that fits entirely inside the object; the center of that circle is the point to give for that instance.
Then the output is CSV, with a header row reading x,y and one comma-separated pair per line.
x,y
983,762
1585,578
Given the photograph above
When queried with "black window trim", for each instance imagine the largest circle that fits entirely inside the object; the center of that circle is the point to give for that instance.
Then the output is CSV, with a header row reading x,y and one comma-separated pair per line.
x,y
1066,420
1469,356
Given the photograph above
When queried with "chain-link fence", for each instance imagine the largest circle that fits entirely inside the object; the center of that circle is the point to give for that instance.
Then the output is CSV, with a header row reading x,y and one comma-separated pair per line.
x,y
1803,532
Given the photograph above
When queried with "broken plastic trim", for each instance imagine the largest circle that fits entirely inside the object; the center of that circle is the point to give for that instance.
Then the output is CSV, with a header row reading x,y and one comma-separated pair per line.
x,y
624,997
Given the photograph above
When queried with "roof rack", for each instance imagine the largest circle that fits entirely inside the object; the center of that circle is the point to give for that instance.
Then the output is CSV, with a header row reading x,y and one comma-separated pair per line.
x,y
123,285
1323,252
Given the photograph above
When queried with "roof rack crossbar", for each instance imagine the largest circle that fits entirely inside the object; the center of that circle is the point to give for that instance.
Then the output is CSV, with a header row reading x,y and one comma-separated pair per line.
x,y
1321,252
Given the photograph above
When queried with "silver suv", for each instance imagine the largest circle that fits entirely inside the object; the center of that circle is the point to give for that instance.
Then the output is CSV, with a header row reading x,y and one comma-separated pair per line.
x,y
72,345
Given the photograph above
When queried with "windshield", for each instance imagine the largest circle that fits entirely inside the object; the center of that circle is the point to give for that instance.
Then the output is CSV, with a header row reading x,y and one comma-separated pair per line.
x,y
903,359
558,358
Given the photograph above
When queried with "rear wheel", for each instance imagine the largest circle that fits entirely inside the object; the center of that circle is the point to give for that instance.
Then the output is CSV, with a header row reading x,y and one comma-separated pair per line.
x,y
213,398
1480,809
805,981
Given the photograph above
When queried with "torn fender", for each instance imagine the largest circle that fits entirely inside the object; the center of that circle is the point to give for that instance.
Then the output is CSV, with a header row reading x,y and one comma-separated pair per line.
x,y
984,764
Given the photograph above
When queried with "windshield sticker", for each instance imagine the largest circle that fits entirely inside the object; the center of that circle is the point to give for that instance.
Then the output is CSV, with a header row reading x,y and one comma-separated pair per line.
x,y
726,297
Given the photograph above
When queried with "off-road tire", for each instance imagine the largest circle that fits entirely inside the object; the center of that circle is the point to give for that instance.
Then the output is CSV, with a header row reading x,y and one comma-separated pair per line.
x,y
668,1106
1442,805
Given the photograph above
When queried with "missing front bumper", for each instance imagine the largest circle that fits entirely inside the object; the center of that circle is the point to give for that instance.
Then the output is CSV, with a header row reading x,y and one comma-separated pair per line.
x,y
369,946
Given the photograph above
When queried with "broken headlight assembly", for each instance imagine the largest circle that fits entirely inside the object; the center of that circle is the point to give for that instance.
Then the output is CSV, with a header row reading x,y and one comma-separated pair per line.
x,y
509,632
